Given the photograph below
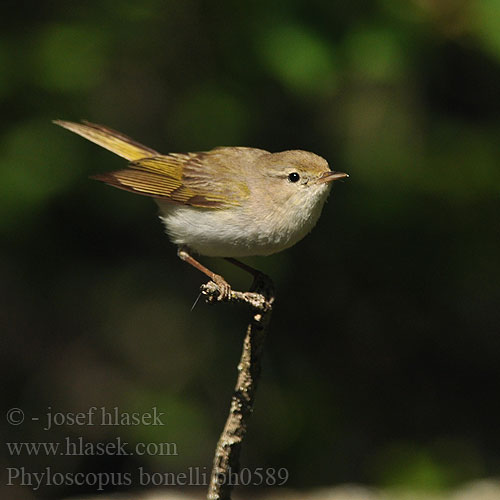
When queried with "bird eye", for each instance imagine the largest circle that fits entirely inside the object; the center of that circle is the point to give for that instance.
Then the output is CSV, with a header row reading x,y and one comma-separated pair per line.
x,y
293,177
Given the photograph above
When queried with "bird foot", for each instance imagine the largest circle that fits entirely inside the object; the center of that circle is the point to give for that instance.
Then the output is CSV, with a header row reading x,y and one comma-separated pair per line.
x,y
262,284
224,288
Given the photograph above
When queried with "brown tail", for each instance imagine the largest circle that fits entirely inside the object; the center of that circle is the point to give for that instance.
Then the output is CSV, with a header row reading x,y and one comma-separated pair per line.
x,y
110,139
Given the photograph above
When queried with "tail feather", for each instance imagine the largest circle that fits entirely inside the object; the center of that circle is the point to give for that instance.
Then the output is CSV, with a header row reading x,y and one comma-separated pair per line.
x,y
109,139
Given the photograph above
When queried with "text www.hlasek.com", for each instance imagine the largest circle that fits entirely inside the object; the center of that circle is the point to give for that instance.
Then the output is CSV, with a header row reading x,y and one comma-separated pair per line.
x,y
194,476
80,447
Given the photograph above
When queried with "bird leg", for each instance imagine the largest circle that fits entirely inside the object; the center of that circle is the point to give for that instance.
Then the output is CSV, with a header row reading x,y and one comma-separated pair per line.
x,y
224,286
262,283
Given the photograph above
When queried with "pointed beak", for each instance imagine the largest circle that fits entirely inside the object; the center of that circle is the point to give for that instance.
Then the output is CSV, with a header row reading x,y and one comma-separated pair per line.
x,y
332,176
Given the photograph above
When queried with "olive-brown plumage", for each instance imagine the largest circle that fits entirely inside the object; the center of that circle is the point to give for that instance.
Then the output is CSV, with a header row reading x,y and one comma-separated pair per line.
x,y
227,202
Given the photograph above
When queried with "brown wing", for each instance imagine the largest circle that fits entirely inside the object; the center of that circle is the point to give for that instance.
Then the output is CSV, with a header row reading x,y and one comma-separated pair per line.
x,y
196,179
209,179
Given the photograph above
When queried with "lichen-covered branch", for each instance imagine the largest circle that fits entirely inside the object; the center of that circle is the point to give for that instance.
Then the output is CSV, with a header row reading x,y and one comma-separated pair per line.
x,y
227,453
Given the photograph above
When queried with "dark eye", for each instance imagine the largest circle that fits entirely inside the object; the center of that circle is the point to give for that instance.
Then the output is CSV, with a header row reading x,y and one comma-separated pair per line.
x,y
293,177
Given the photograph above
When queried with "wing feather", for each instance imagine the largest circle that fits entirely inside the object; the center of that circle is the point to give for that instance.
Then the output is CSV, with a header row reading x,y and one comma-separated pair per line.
x,y
161,187
209,179
195,179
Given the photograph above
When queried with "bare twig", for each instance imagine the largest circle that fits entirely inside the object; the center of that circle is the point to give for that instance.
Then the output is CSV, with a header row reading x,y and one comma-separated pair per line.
x,y
227,454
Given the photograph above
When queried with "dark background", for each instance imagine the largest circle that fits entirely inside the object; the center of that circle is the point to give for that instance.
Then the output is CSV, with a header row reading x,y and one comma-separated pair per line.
x,y
382,363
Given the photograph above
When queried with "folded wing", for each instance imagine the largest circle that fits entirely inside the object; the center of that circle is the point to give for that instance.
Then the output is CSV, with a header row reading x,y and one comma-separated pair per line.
x,y
203,179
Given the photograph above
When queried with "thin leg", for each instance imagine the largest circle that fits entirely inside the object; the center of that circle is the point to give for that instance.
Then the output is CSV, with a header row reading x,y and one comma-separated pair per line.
x,y
261,281
249,269
225,288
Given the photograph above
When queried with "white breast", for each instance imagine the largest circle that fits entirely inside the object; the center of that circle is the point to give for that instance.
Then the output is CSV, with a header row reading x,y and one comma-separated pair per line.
x,y
242,232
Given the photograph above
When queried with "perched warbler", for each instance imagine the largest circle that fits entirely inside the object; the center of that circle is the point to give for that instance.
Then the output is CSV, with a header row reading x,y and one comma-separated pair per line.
x,y
228,202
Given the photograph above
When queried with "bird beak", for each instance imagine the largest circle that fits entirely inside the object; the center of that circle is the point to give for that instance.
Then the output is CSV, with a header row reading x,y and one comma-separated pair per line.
x,y
332,176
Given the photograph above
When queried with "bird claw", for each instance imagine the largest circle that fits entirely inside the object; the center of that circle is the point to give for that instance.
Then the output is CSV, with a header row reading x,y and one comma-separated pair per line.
x,y
262,284
223,286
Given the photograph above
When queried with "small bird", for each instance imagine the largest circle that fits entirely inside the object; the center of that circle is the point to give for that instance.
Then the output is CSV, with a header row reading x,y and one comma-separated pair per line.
x,y
227,202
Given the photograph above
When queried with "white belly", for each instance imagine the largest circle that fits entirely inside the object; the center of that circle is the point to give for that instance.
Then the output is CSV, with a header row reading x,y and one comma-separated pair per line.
x,y
234,232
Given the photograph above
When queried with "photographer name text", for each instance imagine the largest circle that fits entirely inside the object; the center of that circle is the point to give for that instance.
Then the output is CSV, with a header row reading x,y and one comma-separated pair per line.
x,y
104,417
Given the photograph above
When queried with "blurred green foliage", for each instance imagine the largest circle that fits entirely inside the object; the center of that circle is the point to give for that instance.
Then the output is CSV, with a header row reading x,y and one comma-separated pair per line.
x,y
382,363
